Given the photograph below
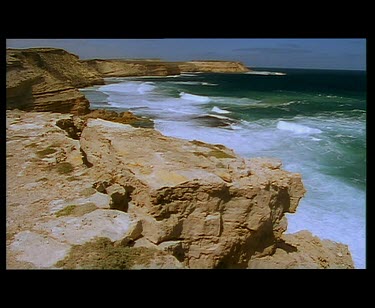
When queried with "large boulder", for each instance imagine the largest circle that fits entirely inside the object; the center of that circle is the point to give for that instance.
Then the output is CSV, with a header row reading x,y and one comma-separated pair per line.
x,y
222,209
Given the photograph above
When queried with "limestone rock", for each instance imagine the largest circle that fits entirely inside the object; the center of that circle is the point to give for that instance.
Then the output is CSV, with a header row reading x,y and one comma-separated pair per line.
x,y
302,250
113,224
213,66
122,117
219,223
40,250
198,205
46,79
123,68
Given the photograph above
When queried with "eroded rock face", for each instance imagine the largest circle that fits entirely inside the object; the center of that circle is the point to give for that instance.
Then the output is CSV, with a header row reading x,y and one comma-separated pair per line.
x,y
222,209
47,79
199,204
213,67
123,68
302,250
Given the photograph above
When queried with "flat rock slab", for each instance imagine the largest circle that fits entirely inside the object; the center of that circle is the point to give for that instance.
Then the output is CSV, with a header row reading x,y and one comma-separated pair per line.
x,y
40,250
112,224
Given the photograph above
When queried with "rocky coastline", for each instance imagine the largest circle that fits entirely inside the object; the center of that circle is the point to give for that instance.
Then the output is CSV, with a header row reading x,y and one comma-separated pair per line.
x,y
99,190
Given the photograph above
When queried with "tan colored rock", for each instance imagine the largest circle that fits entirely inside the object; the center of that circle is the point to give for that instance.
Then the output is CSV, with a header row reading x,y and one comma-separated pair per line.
x,y
179,198
160,261
41,250
113,224
123,68
302,250
213,66
46,79
219,223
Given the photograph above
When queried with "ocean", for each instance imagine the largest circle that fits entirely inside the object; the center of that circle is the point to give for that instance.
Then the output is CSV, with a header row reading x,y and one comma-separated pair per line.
x,y
313,120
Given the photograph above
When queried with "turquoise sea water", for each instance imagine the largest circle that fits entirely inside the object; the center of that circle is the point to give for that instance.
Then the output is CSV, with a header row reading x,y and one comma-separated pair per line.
x,y
313,120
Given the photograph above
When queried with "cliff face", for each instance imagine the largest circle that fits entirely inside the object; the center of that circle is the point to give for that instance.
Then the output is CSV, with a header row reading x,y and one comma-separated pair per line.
x,y
172,202
209,206
176,203
213,67
46,79
123,68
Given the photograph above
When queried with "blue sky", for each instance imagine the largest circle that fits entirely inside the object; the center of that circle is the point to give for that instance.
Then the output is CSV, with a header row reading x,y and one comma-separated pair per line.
x,y
299,53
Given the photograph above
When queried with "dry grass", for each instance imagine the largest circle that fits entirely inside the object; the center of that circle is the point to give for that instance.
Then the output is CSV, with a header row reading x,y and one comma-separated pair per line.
x,y
76,210
66,211
64,168
103,254
214,153
47,151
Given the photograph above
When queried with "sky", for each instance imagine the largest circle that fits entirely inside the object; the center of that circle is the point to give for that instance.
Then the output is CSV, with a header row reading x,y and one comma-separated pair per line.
x,y
279,53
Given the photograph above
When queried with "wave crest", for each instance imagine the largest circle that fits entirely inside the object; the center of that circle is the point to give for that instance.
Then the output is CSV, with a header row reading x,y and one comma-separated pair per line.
x,y
297,128
195,98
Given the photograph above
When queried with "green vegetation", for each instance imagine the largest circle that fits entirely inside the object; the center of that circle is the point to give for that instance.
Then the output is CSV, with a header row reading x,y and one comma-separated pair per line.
x,y
31,145
214,153
42,179
47,151
103,254
88,191
64,168
200,154
219,154
76,210
66,211
207,145
72,178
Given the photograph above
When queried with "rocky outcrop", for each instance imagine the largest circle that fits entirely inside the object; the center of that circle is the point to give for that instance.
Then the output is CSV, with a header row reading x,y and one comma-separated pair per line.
x,y
217,209
302,250
213,66
124,68
46,79
186,204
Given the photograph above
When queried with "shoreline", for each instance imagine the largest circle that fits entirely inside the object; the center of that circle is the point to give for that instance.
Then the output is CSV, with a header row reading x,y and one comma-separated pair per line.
x,y
179,203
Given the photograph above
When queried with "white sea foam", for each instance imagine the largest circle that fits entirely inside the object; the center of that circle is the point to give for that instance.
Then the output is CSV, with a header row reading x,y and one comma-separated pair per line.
x,y
195,83
195,98
188,75
187,82
297,128
218,110
209,84
265,73
323,211
216,116
130,87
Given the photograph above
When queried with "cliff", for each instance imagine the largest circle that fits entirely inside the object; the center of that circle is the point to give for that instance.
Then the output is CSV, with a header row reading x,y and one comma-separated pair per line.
x,y
124,68
85,194
99,200
213,67
46,79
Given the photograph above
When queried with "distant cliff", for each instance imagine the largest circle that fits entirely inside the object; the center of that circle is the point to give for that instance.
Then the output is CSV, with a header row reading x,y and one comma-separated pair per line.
x,y
47,79
124,68
176,203
213,67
